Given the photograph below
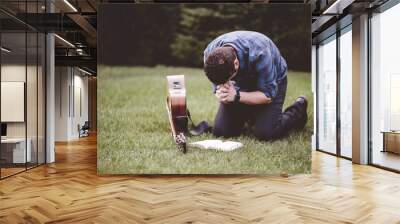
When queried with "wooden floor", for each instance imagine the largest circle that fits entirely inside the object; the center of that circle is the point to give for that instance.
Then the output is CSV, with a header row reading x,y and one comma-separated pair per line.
x,y
388,159
5,172
69,191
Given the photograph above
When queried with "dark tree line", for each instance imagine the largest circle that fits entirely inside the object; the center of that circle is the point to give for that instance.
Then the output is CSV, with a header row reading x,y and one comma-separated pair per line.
x,y
177,34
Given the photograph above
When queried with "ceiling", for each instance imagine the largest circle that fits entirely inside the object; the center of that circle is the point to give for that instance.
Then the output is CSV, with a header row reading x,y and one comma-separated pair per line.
x,y
76,21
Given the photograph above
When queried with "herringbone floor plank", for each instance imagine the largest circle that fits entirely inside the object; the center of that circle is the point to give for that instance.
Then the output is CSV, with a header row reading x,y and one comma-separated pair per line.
x,y
69,191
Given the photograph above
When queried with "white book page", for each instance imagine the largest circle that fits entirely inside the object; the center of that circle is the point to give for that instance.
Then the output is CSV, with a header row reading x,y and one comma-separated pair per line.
x,y
206,144
229,146
225,146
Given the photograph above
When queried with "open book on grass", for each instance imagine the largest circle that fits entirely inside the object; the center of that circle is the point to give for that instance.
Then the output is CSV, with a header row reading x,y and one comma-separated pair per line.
x,y
225,146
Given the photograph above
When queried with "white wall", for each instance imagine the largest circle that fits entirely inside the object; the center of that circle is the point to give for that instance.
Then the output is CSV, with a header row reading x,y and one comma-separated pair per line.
x,y
62,82
13,101
70,83
33,126
79,117
12,73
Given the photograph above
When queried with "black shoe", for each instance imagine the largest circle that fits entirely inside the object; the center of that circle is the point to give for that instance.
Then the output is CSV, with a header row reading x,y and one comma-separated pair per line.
x,y
297,113
303,104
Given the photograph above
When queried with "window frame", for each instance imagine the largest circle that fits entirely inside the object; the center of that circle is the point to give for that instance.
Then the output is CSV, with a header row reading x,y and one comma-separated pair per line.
x,y
346,26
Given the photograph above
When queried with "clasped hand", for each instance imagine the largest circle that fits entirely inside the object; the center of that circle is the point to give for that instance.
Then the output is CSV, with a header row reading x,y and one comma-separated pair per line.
x,y
226,93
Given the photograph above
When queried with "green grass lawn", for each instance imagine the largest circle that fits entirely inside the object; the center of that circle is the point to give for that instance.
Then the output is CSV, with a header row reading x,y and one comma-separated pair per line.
x,y
134,134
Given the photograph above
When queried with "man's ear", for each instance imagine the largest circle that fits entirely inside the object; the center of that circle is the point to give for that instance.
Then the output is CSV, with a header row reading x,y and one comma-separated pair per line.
x,y
236,63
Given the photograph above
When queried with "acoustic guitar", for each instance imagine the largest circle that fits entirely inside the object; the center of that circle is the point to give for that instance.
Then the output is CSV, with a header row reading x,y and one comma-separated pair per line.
x,y
177,111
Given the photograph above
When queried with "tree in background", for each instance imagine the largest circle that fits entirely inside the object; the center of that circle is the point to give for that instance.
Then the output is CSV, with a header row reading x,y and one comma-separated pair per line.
x,y
177,34
200,24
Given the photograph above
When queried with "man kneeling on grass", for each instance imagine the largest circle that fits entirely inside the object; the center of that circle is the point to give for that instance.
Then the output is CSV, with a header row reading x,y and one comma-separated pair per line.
x,y
249,79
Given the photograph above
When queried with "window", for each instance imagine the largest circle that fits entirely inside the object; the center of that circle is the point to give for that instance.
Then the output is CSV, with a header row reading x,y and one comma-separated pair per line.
x,y
334,106
22,77
385,88
327,95
346,92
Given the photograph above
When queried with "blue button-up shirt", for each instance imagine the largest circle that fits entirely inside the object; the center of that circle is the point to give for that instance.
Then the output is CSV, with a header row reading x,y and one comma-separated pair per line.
x,y
261,66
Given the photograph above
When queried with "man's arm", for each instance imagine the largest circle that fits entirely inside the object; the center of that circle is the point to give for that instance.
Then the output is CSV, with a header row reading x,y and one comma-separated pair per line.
x,y
254,98
226,94
265,68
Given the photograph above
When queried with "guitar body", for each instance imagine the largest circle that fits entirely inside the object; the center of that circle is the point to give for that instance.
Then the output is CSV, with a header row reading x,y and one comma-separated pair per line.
x,y
176,107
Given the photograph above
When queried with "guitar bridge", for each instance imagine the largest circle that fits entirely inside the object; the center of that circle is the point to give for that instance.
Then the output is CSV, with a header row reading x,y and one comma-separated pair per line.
x,y
180,140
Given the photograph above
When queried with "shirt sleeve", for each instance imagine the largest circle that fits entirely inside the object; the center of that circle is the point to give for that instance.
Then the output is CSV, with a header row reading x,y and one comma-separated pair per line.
x,y
266,72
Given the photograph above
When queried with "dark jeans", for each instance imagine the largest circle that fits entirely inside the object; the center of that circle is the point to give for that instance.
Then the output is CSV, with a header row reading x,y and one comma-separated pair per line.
x,y
267,121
